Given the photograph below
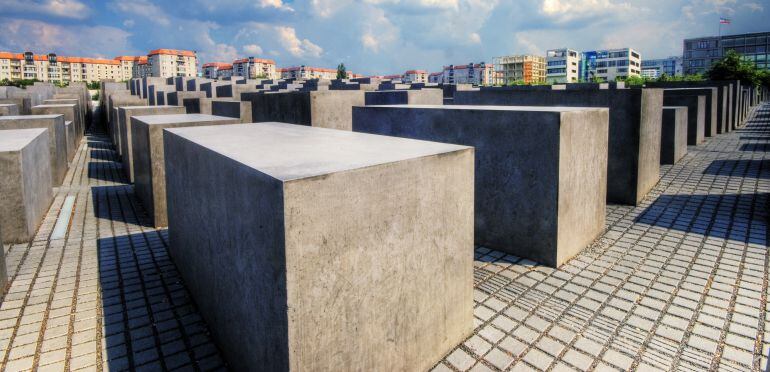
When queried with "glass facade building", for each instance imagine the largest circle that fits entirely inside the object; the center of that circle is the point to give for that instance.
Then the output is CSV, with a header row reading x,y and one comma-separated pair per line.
x,y
700,53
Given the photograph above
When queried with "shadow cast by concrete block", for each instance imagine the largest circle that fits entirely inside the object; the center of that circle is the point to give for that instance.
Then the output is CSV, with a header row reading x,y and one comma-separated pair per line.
x,y
740,168
737,217
755,147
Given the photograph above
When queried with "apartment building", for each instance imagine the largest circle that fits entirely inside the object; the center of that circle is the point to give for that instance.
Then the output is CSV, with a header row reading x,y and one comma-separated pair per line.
x,y
129,66
435,77
477,74
529,69
610,65
254,68
172,63
212,70
700,53
562,66
415,76
53,68
306,72
654,68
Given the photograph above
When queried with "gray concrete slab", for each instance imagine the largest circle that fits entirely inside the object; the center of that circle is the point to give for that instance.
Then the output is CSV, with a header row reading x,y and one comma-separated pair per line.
x,y
125,132
56,137
634,137
70,112
24,103
324,109
26,187
114,102
711,109
405,97
71,136
696,115
7,109
197,105
233,109
673,134
177,98
327,265
148,156
541,172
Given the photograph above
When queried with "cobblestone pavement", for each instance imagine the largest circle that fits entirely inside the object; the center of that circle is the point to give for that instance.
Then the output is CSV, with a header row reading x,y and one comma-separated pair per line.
x,y
679,282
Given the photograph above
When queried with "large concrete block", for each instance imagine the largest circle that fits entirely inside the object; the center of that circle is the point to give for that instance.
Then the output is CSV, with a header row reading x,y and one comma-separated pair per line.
x,y
634,135
405,97
71,138
673,140
70,113
56,137
124,127
710,113
147,81
234,90
116,101
324,109
9,109
177,98
24,103
240,110
193,85
696,115
3,269
319,250
147,153
25,186
197,105
541,172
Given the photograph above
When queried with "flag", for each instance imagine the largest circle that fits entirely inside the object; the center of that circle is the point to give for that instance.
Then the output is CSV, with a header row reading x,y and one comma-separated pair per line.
x,y
724,21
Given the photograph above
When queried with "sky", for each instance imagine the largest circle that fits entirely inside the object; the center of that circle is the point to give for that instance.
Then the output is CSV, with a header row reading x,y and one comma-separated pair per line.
x,y
369,36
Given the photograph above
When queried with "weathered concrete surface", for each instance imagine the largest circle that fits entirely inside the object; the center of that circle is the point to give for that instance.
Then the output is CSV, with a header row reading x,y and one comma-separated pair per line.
x,y
24,103
634,136
3,269
711,118
197,105
234,90
25,186
405,97
541,172
210,87
9,109
58,142
148,160
321,271
146,82
70,136
116,101
125,135
193,85
696,115
176,98
673,140
155,91
240,110
324,109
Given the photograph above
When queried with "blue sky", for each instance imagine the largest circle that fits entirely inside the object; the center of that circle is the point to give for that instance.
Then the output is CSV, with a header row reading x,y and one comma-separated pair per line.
x,y
369,36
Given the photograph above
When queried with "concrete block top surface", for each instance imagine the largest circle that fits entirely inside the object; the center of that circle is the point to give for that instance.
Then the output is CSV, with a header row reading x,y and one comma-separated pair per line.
x,y
56,105
493,108
178,118
7,104
674,107
17,139
146,107
29,117
288,152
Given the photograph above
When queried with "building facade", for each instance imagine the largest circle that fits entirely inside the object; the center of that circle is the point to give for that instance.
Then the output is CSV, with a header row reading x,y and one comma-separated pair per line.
x,y
477,74
215,70
700,53
172,63
610,65
306,72
528,69
654,68
562,66
255,68
415,76
60,69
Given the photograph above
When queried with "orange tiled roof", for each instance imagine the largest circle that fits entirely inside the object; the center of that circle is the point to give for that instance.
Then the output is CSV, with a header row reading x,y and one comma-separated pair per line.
x,y
416,72
311,69
173,52
129,58
218,65
44,57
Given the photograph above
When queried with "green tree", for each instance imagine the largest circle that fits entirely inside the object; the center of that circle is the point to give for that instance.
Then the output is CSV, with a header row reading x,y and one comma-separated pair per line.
x,y
733,67
635,80
341,72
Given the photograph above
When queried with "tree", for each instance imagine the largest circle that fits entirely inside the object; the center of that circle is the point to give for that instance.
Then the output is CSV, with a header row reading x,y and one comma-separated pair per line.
x,y
733,67
341,73
635,80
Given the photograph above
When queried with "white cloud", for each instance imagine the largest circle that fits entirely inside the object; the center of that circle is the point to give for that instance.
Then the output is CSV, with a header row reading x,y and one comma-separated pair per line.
x,y
327,8
143,8
58,8
42,37
252,49
754,7
296,46
277,4
129,23
562,11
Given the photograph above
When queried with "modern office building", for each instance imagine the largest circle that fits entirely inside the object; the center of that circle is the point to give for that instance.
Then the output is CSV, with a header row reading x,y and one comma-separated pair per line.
x,y
172,63
610,64
700,53
254,68
53,68
529,69
654,68
562,66
477,74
